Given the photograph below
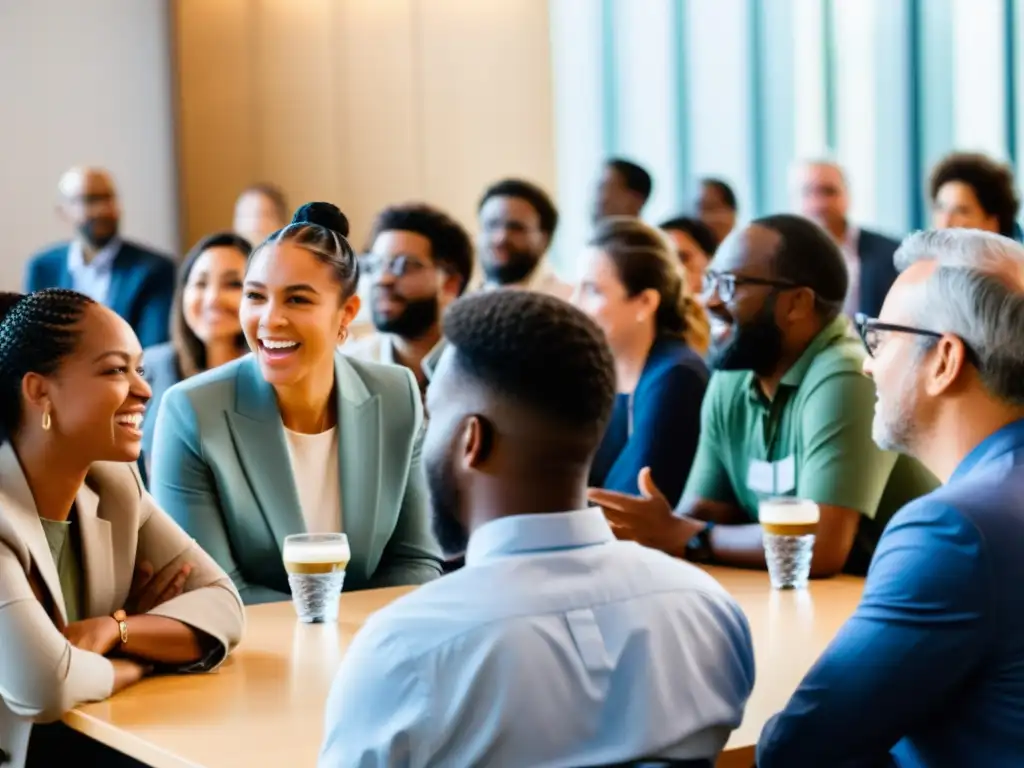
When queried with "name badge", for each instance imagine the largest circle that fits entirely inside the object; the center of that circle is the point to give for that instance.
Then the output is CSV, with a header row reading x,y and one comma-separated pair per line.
x,y
772,478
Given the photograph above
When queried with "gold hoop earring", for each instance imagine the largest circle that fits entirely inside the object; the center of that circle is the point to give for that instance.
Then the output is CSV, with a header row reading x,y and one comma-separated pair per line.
x,y
47,421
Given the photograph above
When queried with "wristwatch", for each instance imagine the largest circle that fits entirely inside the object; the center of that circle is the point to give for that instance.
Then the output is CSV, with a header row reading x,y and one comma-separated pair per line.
x,y
698,548
122,624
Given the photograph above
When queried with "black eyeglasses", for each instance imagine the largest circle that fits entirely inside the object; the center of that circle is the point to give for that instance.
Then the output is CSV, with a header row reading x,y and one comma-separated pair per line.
x,y
399,266
727,282
870,333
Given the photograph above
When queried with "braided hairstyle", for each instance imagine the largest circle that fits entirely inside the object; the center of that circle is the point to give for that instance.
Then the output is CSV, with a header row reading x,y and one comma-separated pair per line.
x,y
37,331
321,229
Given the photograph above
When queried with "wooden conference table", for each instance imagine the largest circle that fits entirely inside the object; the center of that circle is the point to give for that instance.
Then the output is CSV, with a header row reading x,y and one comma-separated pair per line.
x,y
264,706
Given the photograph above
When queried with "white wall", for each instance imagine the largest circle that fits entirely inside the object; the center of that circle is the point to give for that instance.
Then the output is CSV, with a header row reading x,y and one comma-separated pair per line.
x,y
84,83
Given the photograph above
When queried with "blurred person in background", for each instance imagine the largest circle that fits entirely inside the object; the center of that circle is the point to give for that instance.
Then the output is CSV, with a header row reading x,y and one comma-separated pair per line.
x,y
420,261
635,291
259,211
972,191
716,206
134,281
622,190
517,222
205,329
695,246
821,194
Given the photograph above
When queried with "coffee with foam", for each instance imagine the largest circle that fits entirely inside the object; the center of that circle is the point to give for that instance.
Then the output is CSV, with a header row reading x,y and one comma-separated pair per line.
x,y
788,517
312,556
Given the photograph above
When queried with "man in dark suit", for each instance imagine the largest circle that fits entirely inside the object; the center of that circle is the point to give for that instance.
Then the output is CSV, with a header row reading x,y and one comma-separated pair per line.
x,y
822,196
134,281
929,671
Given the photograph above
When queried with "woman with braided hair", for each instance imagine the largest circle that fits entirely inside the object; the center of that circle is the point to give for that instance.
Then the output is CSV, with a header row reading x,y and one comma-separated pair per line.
x,y
98,586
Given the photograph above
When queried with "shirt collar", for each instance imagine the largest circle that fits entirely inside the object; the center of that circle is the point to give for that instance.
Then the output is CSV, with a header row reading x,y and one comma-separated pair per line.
x,y
427,365
1008,439
521,534
103,261
852,239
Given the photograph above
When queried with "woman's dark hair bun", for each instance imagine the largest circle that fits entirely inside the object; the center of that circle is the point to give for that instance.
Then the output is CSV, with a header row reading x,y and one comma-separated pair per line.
x,y
7,301
326,215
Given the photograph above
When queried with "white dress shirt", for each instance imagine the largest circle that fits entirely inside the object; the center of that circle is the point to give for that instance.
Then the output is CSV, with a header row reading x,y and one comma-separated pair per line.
x,y
92,279
556,645
380,348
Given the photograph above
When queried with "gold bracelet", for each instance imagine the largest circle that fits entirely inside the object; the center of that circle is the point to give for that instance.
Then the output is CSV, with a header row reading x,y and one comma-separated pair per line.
x,y
122,624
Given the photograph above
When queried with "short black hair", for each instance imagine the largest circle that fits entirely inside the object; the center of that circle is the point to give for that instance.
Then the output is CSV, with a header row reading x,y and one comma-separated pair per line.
x,y
189,349
991,181
808,256
728,196
696,229
538,351
636,177
450,244
37,331
531,193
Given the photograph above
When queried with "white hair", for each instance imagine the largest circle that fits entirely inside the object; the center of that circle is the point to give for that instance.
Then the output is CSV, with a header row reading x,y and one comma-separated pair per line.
x,y
976,293
799,166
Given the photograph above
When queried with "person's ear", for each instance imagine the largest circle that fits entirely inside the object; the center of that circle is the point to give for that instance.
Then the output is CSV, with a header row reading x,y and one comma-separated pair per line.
x,y
35,390
647,302
450,284
349,310
798,303
948,360
476,443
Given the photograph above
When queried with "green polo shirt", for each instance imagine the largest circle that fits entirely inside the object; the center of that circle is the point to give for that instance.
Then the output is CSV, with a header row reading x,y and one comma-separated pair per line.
x,y
812,441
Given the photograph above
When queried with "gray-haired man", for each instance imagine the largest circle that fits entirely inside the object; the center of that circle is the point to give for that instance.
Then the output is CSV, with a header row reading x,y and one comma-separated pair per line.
x,y
930,669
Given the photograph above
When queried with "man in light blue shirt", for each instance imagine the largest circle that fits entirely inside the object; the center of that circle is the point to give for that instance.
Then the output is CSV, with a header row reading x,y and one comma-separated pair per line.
x,y
556,644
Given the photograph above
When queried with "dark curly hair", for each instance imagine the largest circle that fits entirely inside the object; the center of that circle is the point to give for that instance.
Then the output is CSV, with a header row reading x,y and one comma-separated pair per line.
x,y
539,352
450,244
37,331
531,193
992,183
697,230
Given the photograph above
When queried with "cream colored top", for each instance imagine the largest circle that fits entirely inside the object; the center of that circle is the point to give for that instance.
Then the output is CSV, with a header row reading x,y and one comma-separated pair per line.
x,y
314,460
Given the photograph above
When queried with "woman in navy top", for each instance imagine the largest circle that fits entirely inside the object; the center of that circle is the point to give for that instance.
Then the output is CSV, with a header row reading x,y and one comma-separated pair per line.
x,y
636,291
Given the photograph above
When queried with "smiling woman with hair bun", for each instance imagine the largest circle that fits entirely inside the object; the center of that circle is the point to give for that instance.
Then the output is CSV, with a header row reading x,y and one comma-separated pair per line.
x,y
296,437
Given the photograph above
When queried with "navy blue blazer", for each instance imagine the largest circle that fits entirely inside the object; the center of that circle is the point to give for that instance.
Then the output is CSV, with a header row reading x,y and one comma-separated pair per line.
x,y
929,671
658,426
877,270
141,286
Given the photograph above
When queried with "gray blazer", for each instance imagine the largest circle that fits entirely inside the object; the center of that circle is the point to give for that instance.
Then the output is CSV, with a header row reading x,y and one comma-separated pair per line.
x,y
221,469
162,373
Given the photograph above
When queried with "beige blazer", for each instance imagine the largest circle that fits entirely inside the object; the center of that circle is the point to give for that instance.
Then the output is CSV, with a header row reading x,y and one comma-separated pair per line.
x,y
42,676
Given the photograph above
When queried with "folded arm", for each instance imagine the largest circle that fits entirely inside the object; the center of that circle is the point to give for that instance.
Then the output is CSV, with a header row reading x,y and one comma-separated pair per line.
x,y
919,632
42,675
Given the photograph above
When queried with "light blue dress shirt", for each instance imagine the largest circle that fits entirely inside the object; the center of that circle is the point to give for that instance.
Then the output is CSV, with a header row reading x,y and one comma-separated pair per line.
x,y
556,645
92,279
